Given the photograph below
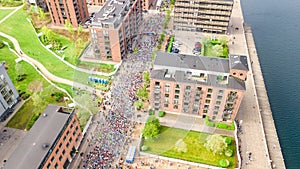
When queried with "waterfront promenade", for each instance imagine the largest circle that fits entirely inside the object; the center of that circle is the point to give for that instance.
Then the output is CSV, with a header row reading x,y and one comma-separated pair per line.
x,y
260,148
264,105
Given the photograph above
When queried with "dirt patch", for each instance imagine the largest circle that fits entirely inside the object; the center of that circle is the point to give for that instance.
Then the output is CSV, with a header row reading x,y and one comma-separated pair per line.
x,y
35,86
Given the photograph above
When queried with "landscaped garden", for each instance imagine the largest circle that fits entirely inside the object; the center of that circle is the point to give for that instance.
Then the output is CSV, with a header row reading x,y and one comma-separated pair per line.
x,y
32,86
19,27
215,47
191,146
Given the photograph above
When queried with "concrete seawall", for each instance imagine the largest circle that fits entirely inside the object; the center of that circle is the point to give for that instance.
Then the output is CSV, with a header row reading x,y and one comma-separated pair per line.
x,y
273,145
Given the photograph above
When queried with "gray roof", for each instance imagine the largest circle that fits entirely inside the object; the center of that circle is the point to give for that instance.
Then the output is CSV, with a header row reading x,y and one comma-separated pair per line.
x,y
110,11
179,76
238,62
31,151
192,62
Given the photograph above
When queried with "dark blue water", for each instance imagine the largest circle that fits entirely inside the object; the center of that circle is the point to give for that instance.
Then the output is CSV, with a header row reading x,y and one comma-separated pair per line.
x,y
276,29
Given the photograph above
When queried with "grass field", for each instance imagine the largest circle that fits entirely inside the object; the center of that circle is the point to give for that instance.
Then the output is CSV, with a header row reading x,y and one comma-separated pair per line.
x,y
32,83
19,27
4,12
164,145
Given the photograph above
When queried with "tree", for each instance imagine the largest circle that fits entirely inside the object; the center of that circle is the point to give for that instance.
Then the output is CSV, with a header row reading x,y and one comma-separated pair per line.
x,y
142,93
42,15
19,69
218,50
215,143
206,40
138,105
223,39
146,78
152,128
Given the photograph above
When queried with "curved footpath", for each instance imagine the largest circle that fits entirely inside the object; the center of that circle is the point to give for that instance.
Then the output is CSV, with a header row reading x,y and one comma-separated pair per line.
x,y
43,70
274,149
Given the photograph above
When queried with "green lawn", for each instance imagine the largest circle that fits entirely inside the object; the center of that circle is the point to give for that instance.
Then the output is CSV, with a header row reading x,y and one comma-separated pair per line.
x,y
18,27
164,145
29,85
4,12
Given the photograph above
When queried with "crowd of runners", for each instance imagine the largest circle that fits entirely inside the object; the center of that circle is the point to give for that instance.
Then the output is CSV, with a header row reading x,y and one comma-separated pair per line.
x,y
115,120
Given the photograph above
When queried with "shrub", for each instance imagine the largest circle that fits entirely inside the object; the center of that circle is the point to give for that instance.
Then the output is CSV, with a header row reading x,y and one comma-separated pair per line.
x,y
161,113
224,163
228,140
228,152
1,44
25,96
32,121
225,126
151,112
208,122
145,148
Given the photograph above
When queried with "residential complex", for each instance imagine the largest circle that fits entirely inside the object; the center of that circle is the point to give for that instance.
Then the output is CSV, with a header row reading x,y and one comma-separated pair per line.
x,y
114,29
210,16
75,11
198,85
9,96
50,143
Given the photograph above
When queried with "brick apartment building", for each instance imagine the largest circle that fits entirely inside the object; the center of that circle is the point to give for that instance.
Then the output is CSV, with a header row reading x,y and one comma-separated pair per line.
x,y
210,16
147,4
9,96
50,143
75,11
114,29
198,85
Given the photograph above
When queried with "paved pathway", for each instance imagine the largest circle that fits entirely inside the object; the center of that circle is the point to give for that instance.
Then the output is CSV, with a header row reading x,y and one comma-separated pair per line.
x,y
264,105
43,70
10,14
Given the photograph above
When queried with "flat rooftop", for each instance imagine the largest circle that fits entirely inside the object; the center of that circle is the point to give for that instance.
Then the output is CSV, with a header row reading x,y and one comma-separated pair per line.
x,y
111,11
183,61
36,144
238,62
179,76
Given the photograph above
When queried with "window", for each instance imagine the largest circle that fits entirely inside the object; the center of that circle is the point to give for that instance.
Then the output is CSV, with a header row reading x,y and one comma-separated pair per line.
x,y
177,91
215,112
48,166
219,97
188,87
207,101
64,151
209,90
208,96
166,105
60,157
175,106
167,95
177,86
206,106
74,133
241,74
217,107
52,159
76,128
221,92
60,145
204,111
68,132
65,137
70,140
167,85
175,101
67,145
176,97
156,83
218,102
234,73
56,151
56,165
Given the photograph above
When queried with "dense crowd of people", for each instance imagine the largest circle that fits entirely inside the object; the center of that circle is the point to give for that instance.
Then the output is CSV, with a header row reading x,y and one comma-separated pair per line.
x,y
115,122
